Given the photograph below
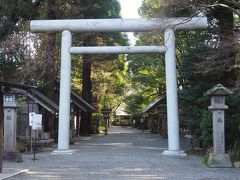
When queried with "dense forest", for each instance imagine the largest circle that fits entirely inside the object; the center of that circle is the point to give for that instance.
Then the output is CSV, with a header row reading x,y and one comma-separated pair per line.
x,y
204,59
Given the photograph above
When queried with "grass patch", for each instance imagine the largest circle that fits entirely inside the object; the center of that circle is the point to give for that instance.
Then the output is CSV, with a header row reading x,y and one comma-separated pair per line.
x,y
199,152
205,159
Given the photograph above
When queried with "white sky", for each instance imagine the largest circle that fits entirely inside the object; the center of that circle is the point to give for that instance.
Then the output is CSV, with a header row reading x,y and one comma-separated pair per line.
x,y
129,10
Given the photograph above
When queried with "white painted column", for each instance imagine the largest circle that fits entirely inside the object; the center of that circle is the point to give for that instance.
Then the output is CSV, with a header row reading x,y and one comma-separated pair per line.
x,y
172,99
65,89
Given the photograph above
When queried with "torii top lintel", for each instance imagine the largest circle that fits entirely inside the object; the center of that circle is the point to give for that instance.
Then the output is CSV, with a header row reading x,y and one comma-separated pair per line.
x,y
118,25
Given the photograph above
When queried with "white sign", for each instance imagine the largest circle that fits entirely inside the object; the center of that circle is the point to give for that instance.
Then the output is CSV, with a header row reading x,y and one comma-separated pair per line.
x,y
37,121
31,115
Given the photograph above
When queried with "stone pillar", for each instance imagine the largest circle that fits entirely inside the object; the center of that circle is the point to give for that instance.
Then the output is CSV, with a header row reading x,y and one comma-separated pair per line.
x,y
218,131
172,99
65,88
10,122
218,158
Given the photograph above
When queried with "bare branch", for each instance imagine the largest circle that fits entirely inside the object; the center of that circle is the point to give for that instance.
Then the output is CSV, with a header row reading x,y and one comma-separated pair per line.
x,y
220,5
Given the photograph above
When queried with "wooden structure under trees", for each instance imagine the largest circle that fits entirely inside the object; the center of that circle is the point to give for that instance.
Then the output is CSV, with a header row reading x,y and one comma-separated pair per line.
x,y
40,103
156,116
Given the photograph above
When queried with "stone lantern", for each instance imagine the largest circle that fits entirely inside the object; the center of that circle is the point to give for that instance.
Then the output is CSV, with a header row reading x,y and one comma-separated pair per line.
x,y
218,158
105,113
10,120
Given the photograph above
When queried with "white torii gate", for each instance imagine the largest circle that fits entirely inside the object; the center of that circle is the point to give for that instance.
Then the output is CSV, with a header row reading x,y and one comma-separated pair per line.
x,y
119,25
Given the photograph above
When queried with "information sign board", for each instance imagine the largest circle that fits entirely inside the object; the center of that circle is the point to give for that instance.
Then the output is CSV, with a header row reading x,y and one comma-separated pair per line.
x,y
37,121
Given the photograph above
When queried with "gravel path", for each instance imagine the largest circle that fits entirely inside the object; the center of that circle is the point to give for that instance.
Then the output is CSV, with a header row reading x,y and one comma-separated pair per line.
x,y
124,154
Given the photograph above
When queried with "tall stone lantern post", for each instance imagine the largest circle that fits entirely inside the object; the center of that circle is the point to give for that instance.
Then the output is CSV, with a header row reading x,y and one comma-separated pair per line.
x,y
218,158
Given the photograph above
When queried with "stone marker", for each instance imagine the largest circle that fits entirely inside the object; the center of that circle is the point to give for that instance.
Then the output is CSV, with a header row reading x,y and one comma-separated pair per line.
x,y
10,106
218,158
9,122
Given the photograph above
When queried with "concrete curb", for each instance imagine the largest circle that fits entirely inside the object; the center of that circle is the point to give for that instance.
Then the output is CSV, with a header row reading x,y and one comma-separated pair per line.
x,y
8,175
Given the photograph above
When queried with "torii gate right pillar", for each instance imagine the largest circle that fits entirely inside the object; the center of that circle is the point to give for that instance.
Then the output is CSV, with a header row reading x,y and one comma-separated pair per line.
x,y
172,99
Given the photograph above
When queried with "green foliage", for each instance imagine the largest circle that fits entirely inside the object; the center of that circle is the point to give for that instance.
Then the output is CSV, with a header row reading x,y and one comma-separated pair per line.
x,y
97,121
14,11
13,16
206,128
194,85
150,8
107,71
97,117
136,103
232,122
146,73
109,82
205,159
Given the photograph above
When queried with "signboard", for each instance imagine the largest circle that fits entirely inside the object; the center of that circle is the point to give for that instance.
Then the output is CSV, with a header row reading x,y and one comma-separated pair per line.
x,y
31,115
37,121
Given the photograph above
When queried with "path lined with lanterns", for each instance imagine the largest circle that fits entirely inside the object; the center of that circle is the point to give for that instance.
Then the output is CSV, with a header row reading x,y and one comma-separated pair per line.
x,y
125,153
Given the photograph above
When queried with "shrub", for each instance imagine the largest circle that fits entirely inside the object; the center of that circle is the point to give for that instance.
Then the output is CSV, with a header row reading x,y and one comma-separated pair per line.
x,y
97,120
206,128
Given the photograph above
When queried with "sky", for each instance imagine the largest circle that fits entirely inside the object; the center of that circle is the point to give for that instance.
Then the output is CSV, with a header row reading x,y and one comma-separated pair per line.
x,y
129,10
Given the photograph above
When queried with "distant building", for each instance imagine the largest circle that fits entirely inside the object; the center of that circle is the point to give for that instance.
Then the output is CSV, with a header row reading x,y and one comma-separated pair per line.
x,y
156,117
122,118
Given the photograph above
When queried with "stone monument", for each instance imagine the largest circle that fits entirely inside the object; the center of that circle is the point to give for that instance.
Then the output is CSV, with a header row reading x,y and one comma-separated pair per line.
x,y
218,158
10,106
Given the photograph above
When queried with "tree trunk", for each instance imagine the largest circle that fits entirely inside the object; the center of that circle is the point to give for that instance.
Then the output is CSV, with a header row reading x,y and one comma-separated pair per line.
x,y
1,127
226,31
86,117
51,69
163,129
227,50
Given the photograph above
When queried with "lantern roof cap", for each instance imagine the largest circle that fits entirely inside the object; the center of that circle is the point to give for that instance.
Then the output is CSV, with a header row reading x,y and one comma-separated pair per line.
x,y
218,90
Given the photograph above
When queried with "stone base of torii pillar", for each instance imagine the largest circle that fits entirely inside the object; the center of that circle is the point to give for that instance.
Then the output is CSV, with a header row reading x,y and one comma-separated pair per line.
x,y
174,153
57,152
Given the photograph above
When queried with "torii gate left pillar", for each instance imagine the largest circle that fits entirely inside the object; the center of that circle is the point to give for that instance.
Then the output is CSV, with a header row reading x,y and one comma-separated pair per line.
x,y
119,25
